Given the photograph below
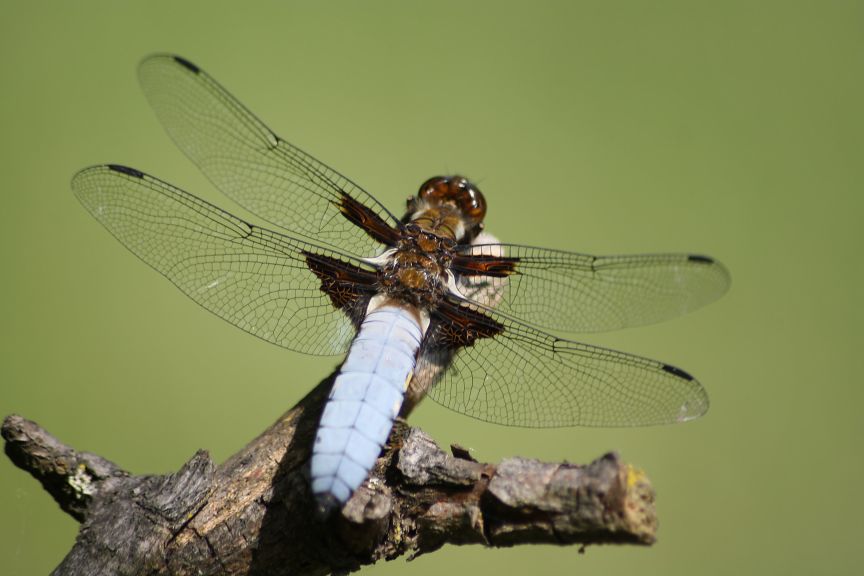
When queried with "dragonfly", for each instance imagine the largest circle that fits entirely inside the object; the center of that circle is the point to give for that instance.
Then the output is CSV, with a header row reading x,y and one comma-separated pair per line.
x,y
426,303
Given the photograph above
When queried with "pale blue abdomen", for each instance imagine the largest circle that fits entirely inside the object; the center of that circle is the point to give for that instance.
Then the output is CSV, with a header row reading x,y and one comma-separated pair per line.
x,y
365,399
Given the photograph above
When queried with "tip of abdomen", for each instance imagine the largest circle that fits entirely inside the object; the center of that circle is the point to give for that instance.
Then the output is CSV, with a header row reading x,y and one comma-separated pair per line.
x,y
327,503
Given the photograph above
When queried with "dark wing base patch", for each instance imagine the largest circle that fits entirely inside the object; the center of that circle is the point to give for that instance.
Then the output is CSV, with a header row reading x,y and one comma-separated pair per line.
x,y
367,219
485,265
349,287
457,326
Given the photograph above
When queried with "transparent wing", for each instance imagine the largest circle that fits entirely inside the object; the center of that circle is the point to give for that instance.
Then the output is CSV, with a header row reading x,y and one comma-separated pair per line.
x,y
254,278
572,292
249,163
524,377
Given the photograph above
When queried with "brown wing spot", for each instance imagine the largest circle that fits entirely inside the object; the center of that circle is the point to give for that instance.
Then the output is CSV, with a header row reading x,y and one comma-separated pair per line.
x,y
344,283
459,325
485,265
368,220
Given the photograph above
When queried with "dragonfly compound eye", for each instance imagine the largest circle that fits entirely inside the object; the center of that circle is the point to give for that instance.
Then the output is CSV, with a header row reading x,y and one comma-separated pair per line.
x,y
435,189
471,202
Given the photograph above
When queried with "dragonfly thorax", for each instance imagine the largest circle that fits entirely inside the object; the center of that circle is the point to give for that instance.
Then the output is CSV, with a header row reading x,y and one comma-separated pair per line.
x,y
416,272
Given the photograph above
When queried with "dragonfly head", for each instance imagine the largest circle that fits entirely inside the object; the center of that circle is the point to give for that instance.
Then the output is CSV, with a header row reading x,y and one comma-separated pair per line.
x,y
456,193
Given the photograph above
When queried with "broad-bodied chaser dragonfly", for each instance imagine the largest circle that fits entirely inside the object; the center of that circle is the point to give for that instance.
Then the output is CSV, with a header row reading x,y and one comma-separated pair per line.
x,y
426,304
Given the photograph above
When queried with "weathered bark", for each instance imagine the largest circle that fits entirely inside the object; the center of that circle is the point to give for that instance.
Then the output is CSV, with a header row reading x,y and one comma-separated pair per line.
x,y
254,514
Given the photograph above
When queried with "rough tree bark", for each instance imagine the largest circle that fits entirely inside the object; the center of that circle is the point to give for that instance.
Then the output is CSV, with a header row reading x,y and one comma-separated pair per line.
x,y
254,514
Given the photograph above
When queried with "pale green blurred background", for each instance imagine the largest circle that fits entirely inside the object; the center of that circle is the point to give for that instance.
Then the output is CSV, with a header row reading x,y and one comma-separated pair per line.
x,y
732,129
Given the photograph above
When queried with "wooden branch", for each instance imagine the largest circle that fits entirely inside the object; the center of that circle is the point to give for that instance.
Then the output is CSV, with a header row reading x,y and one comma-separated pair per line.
x,y
255,515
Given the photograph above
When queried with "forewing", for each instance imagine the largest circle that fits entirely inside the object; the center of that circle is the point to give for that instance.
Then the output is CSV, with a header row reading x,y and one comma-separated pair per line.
x,y
515,375
256,279
570,292
249,163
